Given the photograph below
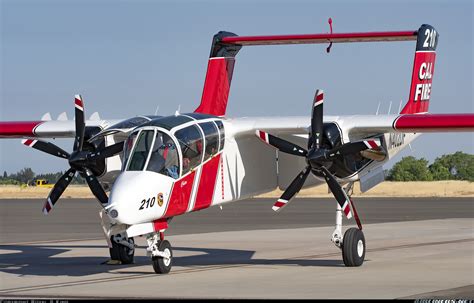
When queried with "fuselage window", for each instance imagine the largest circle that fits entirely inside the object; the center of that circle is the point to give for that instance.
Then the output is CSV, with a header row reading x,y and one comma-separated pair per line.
x,y
140,152
220,126
127,148
190,140
164,156
212,139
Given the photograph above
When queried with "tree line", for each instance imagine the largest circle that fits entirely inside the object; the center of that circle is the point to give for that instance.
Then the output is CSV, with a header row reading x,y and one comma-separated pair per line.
x,y
457,166
28,176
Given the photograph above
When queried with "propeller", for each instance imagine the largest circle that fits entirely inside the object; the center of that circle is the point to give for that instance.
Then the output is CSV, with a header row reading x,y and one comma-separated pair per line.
x,y
318,159
80,160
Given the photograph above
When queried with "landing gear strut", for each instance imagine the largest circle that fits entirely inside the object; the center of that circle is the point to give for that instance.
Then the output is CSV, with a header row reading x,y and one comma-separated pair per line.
x,y
161,252
353,242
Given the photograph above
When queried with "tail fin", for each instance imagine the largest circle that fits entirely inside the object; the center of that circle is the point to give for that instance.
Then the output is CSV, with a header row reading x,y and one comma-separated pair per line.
x,y
423,70
219,76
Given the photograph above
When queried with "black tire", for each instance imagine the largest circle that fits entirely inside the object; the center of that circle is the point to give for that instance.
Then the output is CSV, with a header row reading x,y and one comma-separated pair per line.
x,y
162,265
353,247
122,253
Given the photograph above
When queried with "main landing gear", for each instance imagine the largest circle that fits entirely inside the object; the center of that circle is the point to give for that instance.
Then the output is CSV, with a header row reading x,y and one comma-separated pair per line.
x,y
352,244
161,253
123,249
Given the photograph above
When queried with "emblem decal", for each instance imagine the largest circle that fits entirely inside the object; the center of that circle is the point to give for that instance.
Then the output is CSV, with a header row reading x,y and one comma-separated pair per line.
x,y
160,199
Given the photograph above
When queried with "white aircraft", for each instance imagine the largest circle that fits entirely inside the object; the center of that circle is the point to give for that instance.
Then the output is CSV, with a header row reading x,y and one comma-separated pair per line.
x,y
157,167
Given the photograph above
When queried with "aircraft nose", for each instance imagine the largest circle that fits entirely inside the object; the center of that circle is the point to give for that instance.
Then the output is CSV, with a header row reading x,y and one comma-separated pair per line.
x,y
133,198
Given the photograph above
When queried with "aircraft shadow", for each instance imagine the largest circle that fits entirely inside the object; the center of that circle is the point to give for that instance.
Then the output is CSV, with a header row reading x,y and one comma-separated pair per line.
x,y
39,260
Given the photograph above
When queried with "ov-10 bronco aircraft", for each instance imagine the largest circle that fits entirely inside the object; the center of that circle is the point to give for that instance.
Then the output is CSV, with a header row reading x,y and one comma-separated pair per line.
x,y
159,167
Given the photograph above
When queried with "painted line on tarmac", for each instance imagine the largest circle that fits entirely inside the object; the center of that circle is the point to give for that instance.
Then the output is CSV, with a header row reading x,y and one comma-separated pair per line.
x,y
51,241
213,267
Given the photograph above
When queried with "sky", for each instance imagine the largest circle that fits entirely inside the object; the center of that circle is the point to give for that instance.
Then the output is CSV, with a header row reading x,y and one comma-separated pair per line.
x,y
126,58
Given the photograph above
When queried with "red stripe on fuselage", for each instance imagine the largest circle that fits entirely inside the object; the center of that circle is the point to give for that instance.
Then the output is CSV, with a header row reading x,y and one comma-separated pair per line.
x,y
207,183
18,129
180,196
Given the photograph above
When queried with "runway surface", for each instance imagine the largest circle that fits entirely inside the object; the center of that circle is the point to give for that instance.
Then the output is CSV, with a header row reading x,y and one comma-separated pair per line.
x,y
417,248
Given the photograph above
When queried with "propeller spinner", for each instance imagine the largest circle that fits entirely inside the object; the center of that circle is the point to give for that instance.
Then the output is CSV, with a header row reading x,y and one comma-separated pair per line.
x,y
79,160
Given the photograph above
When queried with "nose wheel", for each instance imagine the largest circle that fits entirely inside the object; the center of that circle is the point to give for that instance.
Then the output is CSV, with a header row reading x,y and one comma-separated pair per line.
x,y
161,253
162,264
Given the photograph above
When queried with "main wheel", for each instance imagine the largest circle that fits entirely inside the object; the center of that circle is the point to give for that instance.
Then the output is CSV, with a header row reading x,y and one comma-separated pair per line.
x,y
162,265
353,247
120,252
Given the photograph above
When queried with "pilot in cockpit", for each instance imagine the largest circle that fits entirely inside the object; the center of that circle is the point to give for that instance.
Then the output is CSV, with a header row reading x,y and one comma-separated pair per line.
x,y
164,157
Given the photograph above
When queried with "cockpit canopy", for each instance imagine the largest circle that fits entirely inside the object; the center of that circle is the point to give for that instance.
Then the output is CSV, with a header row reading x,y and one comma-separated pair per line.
x,y
173,151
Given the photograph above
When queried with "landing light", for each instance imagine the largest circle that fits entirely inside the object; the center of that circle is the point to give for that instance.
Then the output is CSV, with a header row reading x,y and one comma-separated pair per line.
x,y
113,213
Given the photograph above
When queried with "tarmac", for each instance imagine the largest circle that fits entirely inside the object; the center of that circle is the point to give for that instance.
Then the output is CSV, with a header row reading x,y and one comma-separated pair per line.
x,y
416,248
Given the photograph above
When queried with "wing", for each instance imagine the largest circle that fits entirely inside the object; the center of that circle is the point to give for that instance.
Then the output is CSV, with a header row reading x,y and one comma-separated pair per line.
x,y
66,129
353,128
416,123
372,124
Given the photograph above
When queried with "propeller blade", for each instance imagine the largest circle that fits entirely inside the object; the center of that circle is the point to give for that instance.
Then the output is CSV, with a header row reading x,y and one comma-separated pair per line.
x,y
58,190
355,147
339,193
95,187
282,145
107,152
46,147
317,120
80,123
292,190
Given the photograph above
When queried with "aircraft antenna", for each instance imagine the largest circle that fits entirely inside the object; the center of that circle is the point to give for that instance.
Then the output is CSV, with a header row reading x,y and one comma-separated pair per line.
x,y
378,107
178,110
390,108
157,108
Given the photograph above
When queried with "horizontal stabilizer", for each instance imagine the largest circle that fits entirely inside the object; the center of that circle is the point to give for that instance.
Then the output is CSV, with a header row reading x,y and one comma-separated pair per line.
x,y
321,38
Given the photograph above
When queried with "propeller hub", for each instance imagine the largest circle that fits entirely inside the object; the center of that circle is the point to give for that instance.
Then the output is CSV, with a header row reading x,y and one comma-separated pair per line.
x,y
78,160
317,158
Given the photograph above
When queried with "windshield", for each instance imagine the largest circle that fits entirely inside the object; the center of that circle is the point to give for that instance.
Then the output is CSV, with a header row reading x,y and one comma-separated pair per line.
x,y
156,151
141,150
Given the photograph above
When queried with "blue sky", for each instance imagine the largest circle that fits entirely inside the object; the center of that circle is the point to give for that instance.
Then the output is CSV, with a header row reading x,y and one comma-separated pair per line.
x,y
128,57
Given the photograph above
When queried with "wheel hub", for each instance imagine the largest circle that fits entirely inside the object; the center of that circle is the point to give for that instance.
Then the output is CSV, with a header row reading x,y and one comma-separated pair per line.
x,y
360,248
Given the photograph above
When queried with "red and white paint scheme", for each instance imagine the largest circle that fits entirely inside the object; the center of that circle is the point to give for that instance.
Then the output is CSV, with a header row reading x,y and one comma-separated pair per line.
x,y
146,170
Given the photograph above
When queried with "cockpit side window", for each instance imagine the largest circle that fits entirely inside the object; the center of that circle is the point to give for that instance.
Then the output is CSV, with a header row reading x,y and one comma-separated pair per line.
x,y
164,157
142,148
190,141
220,126
212,139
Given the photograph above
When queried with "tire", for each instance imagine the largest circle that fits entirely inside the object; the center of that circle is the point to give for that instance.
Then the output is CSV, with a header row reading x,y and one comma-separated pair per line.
x,y
122,253
163,265
353,247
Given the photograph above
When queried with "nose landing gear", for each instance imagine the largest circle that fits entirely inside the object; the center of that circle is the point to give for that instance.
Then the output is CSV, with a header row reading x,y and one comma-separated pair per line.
x,y
161,253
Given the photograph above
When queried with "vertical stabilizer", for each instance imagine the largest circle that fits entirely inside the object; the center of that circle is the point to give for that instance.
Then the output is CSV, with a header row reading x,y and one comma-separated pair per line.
x,y
219,76
423,70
